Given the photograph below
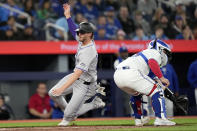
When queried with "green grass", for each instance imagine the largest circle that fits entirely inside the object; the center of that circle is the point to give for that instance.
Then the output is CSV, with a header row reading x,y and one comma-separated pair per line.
x,y
32,124
184,124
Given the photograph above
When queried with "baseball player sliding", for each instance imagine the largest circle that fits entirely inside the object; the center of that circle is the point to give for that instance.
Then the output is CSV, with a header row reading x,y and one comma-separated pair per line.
x,y
134,76
83,81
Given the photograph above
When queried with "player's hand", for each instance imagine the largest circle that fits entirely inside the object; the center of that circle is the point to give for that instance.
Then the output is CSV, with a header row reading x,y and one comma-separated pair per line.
x,y
67,10
165,81
45,116
57,91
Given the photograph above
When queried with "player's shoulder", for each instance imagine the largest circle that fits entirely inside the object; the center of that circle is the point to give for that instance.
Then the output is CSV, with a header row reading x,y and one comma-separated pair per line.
x,y
151,52
89,50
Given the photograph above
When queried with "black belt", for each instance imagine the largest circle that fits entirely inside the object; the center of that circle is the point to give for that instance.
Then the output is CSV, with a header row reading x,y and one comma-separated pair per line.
x,y
84,82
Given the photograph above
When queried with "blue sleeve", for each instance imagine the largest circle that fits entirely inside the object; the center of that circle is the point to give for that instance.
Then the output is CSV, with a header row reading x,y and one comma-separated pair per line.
x,y
191,77
175,80
3,16
72,27
117,22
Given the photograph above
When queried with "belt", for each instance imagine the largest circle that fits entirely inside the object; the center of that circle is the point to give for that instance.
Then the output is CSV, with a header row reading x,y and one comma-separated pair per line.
x,y
123,68
84,82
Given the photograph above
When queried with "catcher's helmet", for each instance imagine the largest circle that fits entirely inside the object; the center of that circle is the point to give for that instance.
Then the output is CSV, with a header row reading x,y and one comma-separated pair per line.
x,y
160,46
85,27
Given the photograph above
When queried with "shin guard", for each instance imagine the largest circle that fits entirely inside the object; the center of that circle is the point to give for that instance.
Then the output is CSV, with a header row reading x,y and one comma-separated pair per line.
x,y
136,104
158,103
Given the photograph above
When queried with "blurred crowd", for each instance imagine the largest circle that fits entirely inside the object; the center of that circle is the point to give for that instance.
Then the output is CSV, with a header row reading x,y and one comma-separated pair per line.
x,y
114,19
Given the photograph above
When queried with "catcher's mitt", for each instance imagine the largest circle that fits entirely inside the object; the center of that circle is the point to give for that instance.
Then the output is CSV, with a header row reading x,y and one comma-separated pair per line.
x,y
183,103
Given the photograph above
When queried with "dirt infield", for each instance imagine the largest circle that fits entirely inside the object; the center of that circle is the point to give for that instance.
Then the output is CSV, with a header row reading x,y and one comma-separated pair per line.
x,y
73,127
69,128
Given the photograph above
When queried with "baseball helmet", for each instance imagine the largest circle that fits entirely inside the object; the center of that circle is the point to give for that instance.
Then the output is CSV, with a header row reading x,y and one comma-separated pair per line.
x,y
160,46
85,27
123,49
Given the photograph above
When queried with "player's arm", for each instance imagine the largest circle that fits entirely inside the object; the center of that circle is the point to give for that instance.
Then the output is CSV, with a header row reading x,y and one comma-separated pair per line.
x,y
68,83
154,66
35,113
71,24
82,66
40,115
48,115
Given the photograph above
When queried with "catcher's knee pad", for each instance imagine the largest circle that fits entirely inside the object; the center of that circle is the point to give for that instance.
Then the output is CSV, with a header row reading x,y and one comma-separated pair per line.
x,y
156,88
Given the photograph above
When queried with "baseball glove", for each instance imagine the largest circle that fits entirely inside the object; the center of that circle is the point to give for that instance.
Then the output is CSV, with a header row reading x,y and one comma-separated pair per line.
x,y
183,101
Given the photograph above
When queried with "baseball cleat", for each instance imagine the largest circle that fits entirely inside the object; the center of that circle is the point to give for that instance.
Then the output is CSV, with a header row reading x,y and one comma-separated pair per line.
x,y
100,90
98,103
145,120
138,122
64,123
163,122
142,121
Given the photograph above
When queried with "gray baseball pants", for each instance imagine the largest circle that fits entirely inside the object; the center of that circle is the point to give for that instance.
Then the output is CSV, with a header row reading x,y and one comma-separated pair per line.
x,y
81,93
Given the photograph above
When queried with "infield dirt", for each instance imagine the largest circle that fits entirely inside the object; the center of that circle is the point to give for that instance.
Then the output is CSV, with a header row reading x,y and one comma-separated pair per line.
x,y
73,127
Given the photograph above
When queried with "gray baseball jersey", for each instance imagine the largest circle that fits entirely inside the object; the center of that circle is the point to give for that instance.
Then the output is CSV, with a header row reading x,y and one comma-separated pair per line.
x,y
86,60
